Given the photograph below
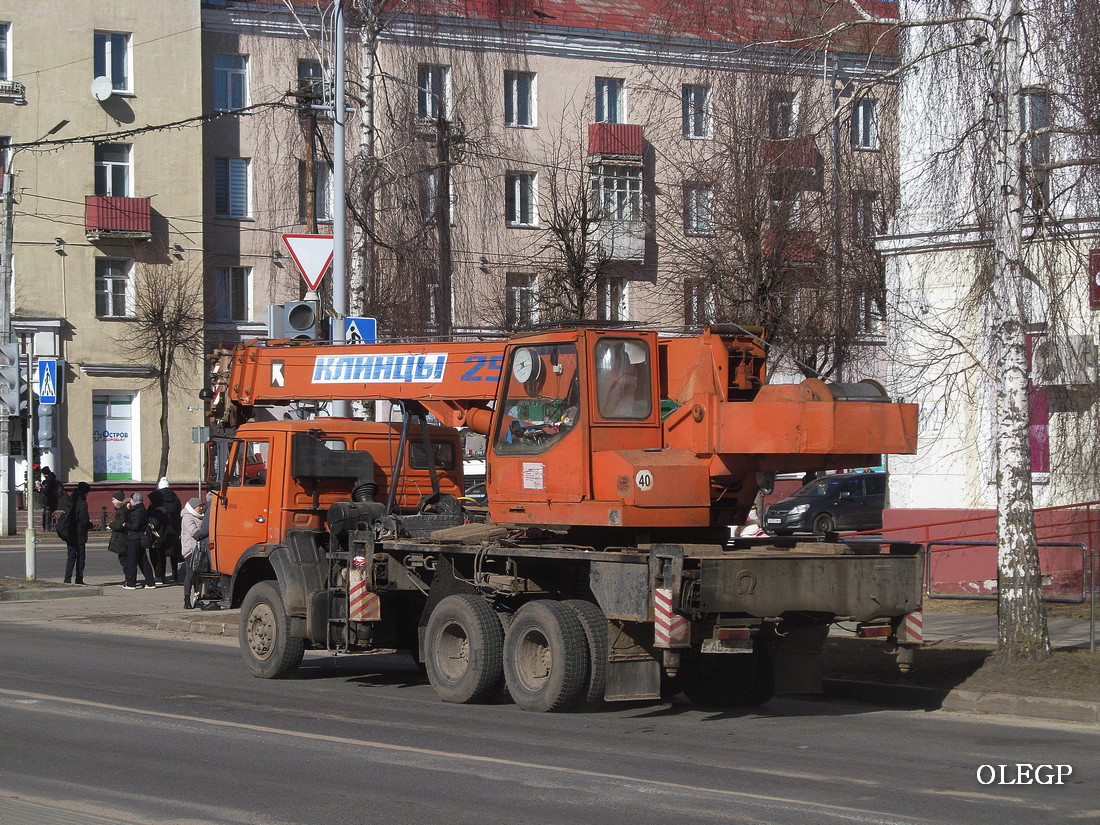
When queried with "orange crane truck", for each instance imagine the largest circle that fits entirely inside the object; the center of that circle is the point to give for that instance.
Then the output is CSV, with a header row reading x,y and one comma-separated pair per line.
x,y
603,569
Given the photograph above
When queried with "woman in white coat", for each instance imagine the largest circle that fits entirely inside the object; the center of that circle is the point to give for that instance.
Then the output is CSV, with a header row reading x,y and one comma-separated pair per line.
x,y
191,521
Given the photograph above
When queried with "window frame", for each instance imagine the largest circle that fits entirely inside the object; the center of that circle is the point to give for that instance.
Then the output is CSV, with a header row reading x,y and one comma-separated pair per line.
x,y
323,193
695,111
229,74
432,103
225,178
782,114
865,132
521,200
516,99
1036,149
864,215
5,50
695,209
104,59
618,186
700,302
610,100
105,170
521,308
125,276
228,304
612,298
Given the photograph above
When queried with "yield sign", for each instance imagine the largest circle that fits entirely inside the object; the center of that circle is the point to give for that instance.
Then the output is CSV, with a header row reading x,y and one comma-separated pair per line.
x,y
312,254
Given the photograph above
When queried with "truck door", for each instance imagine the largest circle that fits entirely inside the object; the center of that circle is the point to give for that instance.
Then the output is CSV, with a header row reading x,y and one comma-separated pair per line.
x,y
244,508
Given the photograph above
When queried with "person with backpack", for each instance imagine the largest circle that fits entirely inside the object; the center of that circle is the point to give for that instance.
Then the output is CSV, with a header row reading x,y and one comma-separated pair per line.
x,y
72,528
117,543
137,520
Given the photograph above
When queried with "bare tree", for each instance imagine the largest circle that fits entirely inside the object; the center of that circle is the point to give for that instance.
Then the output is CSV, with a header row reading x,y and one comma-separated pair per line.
x,y
166,334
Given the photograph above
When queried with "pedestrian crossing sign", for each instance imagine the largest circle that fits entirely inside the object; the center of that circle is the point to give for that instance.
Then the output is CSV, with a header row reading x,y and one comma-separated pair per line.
x,y
47,380
360,330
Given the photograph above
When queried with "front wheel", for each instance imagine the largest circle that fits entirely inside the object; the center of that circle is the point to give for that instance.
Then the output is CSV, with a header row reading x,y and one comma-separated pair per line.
x,y
824,524
270,652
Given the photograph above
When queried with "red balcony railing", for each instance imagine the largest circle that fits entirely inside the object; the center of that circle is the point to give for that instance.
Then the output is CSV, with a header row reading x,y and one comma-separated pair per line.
x,y
797,152
111,217
615,139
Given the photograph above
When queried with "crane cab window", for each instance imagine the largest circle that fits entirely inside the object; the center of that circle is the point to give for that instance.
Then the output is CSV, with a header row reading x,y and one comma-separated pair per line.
x,y
443,451
249,465
623,378
541,402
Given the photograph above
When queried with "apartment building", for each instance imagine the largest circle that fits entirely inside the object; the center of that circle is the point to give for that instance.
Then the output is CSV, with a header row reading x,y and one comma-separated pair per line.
x,y
98,111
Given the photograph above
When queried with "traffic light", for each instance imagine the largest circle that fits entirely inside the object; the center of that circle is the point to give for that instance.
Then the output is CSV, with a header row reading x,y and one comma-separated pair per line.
x,y
10,383
295,319
44,424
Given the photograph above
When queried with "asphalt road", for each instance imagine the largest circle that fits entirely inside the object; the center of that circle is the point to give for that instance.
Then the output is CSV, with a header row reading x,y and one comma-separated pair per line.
x,y
97,729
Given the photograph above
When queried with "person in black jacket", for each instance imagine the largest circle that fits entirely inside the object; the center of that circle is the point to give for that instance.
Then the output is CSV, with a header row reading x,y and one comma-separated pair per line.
x,y
166,512
50,489
136,520
77,536
117,527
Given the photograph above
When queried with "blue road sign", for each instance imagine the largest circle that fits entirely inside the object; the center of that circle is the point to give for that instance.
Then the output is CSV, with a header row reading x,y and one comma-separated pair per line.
x,y
360,330
47,380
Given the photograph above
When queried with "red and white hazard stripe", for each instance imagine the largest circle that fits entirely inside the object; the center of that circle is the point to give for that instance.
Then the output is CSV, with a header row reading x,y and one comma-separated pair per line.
x,y
364,604
670,629
912,628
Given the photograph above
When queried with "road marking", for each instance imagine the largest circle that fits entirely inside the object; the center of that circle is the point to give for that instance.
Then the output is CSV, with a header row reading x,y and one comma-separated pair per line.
x,y
490,760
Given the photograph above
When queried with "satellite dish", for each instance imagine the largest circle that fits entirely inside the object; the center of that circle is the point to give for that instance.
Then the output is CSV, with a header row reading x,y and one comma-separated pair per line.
x,y
102,88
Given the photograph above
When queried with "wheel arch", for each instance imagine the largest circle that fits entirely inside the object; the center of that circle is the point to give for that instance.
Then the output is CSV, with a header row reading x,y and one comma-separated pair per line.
x,y
296,566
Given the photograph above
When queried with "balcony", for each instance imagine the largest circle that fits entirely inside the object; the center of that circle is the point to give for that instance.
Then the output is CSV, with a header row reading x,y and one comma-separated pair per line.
x,y
620,240
12,91
616,140
110,218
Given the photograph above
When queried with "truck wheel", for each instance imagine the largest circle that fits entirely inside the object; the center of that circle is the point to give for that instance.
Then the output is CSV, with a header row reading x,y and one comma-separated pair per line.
x,y
824,524
546,657
463,649
727,680
270,652
595,629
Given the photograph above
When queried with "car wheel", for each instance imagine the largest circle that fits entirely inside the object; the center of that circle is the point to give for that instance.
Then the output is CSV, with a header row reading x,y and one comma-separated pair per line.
x,y
824,524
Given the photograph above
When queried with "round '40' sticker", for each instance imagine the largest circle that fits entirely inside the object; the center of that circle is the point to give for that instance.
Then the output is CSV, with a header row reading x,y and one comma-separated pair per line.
x,y
644,480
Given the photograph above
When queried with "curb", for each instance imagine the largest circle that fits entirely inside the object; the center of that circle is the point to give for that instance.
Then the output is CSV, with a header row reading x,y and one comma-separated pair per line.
x,y
876,693
34,594
224,625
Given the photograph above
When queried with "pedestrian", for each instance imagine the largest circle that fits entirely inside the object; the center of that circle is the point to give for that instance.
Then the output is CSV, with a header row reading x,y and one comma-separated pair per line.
x,y
192,520
136,521
165,513
49,488
117,544
77,534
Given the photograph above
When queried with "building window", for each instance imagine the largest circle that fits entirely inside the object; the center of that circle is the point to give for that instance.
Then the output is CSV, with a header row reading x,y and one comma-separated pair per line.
x,y
112,170
695,110
611,298
230,82
311,80
521,309
428,192
520,199
322,193
698,209
1038,410
519,98
433,91
1034,121
786,211
5,51
114,437
231,187
112,59
782,115
609,100
113,293
700,307
617,192
864,125
872,313
233,293
864,215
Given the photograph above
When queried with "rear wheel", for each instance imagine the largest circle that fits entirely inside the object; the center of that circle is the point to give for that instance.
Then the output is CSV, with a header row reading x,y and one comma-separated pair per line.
x,y
463,649
546,657
270,652
595,629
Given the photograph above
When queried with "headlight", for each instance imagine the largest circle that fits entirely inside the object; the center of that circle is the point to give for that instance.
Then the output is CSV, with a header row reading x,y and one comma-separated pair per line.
x,y
799,510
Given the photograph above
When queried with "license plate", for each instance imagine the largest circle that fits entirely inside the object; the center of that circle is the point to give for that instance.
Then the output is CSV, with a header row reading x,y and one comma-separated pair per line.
x,y
775,521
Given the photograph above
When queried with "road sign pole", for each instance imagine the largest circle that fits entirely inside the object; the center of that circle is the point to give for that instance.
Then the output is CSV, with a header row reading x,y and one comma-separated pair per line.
x,y
31,542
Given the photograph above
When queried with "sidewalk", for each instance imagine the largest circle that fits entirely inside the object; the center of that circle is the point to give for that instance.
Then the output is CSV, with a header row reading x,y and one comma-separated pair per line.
x,y
105,606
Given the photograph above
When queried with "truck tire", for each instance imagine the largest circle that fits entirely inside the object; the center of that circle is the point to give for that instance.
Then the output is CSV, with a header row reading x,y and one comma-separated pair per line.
x,y
546,657
463,649
728,680
269,651
595,630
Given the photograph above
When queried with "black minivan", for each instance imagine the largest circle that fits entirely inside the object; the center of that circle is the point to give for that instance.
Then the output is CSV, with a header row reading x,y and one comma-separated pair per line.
x,y
848,501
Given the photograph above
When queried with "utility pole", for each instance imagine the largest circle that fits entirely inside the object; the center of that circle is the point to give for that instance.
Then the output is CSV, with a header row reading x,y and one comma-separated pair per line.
x,y
7,225
443,223
339,198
